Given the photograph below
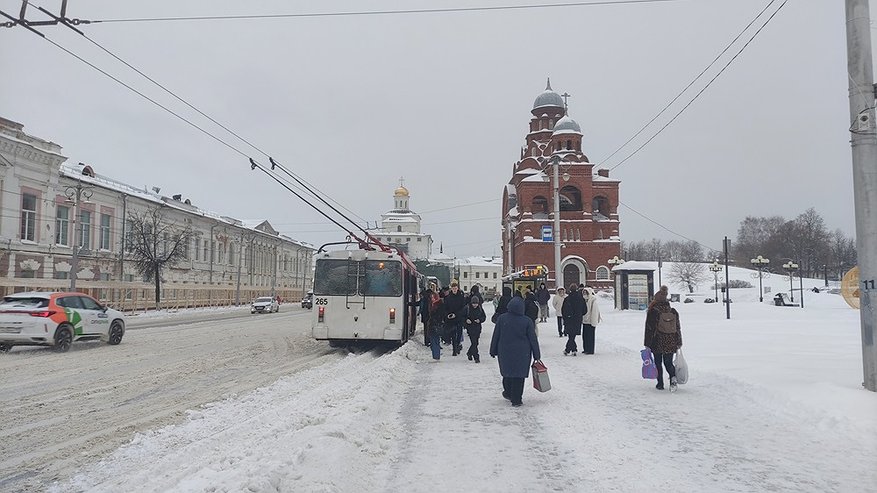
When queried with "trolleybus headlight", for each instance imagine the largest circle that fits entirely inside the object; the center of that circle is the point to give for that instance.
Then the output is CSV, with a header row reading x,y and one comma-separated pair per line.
x,y
321,314
392,315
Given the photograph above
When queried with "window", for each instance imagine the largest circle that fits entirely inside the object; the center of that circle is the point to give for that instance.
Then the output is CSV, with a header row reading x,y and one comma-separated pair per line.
x,y
69,302
408,240
477,275
61,275
465,275
569,145
602,273
105,231
85,230
539,205
570,199
89,304
419,238
62,225
205,250
28,274
494,275
129,236
28,216
398,229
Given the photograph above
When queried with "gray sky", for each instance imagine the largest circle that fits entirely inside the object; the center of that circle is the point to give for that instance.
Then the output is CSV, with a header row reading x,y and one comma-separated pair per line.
x,y
353,103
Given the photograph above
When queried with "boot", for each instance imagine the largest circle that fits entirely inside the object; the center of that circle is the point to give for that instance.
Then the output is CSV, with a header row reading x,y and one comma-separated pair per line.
x,y
660,386
673,384
477,358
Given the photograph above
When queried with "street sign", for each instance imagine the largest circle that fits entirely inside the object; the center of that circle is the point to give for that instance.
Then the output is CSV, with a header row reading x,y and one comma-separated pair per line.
x,y
547,233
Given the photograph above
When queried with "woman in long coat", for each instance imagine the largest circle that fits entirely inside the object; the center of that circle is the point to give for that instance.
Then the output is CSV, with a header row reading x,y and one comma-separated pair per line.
x,y
573,310
514,342
503,303
590,320
663,335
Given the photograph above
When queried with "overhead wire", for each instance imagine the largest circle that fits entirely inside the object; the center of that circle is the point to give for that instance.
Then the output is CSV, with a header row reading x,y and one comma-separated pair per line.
x,y
384,12
761,28
693,81
182,100
647,218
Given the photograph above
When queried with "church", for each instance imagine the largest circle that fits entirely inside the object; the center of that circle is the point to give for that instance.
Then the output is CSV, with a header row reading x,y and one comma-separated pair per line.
x,y
588,202
400,227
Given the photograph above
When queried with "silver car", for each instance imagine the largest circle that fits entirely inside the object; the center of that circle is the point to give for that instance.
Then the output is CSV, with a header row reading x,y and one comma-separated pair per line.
x,y
265,304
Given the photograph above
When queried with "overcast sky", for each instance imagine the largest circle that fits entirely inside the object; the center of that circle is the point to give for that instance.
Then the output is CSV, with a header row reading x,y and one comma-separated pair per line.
x,y
444,99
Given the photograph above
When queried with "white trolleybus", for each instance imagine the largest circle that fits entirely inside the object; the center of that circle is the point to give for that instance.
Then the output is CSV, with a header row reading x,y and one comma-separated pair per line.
x,y
364,295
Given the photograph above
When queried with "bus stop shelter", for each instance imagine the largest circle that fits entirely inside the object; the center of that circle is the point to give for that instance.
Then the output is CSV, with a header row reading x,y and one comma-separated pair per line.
x,y
634,285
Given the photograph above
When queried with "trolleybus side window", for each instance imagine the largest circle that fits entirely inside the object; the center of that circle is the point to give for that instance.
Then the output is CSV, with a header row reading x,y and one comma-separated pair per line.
x,y
331,278
382,278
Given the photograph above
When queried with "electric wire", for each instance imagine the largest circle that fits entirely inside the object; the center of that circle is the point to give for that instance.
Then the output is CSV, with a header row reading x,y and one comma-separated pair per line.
x,y
696,78
182,100
656,223
385,12
704,87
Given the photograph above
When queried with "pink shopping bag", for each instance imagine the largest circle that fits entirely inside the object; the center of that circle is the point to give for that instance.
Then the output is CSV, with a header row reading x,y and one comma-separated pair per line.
x,y
540,377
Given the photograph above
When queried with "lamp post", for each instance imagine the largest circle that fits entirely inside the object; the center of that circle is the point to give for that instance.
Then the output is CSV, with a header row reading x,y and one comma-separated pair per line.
x,y
759,262
614,261
75,195
791,267
716,268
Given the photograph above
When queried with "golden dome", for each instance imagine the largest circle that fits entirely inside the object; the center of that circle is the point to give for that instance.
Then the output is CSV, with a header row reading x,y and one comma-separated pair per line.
x,y
401,191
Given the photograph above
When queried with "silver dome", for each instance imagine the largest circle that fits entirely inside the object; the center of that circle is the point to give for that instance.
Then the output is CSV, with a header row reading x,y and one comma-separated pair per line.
x,y
567,125
549,98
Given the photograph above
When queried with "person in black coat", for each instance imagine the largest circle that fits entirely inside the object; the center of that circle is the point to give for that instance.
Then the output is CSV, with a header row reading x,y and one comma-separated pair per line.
x,y
475,316
515,343
475,292
573,310
425,298
503,305
455,303
531,306
543,297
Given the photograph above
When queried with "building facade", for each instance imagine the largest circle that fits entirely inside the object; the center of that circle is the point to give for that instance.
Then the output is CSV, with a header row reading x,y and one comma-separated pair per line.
x,y
400,227
485,272
589,223
51,206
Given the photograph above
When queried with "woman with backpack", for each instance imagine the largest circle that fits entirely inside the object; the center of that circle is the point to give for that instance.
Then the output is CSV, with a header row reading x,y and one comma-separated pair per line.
x,y
474,317
663,335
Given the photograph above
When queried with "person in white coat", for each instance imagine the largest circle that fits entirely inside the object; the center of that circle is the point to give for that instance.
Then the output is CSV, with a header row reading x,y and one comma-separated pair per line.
x,y
589,324
557,303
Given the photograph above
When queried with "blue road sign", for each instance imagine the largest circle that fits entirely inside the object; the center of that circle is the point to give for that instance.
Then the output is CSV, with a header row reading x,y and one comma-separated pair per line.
x,y
547,233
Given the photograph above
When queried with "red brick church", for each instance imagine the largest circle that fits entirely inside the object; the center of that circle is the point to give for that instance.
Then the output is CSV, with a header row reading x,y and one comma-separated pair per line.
x,y
588,202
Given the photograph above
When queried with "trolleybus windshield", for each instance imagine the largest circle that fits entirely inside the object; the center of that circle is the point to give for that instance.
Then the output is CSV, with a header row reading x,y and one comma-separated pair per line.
x,y
342,277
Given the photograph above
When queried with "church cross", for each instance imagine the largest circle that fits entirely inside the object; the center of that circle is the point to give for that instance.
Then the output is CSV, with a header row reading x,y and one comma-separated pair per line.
x,y
565,97
401,181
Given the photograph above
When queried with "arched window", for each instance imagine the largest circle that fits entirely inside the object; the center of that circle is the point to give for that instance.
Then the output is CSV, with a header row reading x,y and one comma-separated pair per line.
x,y
539,205
570,199
399,229
600,207
602,273
569,145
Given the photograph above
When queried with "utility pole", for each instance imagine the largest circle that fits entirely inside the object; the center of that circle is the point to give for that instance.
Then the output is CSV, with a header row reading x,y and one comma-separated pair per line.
x,y
75,196
727,245
864,148
558,282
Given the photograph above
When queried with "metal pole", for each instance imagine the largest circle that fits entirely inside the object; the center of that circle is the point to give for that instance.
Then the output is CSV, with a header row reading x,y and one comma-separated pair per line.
x,y
864,151
727,245
760,288
237,290
801,285
791,286
557,268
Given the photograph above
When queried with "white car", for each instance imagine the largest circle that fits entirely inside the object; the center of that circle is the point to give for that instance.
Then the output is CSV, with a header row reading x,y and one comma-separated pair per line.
x,y
265,304
57,319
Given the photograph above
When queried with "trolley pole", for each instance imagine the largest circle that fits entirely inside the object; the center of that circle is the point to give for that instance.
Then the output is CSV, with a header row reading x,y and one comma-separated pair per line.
x,y
864,149
727,245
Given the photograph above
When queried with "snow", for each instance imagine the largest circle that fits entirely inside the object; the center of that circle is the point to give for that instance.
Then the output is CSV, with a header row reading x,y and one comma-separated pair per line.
x,y
774,403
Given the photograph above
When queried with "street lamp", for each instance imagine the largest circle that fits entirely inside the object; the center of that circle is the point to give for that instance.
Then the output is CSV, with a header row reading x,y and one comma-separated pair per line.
x,y
75,195
759,262
716,268
791,267
614,261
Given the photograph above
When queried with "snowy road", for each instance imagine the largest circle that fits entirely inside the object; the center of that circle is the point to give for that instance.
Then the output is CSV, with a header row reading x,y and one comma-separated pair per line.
x,y
399,422
60,411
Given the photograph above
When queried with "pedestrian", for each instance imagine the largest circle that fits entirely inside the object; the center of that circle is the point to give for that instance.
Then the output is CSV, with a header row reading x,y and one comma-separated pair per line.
x,y
515,344
573,311
476,292
436,320
543,297
425,300
531,306
557,303
455,304
475,316
502,305
663,335
590,320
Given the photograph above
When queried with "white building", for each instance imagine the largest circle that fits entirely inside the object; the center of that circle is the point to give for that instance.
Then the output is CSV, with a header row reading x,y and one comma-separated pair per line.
x,y
486,272
400,227
49,206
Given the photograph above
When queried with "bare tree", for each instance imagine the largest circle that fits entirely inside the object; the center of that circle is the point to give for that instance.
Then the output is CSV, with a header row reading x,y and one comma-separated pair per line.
x,y
155,243
689,273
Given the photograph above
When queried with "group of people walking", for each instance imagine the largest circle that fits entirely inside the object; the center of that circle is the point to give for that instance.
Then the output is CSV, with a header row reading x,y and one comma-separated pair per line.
x,y
446,312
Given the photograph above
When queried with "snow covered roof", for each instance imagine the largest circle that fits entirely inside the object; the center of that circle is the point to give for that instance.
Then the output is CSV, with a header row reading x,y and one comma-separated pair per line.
x,y
539,178
527,171
636,265
482,262
567,125
548,98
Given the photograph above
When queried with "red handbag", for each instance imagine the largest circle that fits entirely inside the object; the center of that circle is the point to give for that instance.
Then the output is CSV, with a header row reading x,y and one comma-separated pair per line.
x,y
540,377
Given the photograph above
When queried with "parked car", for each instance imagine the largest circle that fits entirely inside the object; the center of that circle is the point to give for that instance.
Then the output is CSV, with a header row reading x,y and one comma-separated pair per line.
x,y
57,319
308,301
265,304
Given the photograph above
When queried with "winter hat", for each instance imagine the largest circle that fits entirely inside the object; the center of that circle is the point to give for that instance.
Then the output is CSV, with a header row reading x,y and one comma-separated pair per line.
x,y
661,295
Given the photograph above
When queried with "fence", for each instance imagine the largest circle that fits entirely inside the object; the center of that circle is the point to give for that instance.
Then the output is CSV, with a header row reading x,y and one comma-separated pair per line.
x,y
140,296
